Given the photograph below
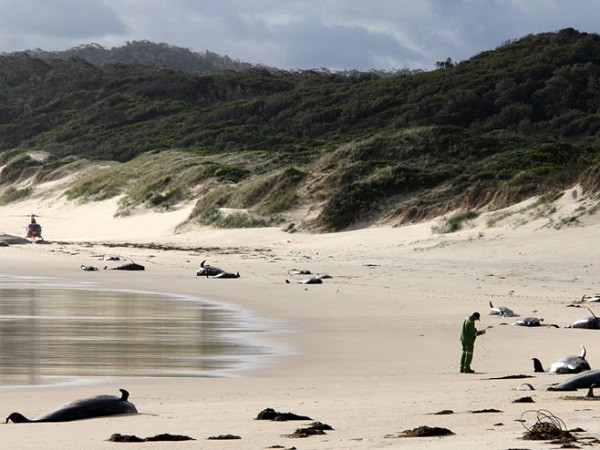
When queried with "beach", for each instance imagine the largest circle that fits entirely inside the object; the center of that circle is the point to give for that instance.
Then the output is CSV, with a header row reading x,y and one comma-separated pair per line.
x,y
372,351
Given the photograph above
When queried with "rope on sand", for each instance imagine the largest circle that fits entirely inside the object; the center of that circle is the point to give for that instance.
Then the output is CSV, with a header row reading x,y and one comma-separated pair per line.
x,y
544,419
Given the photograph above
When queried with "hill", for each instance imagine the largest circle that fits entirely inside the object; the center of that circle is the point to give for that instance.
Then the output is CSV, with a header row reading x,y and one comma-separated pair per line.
x,y
309,149
148,53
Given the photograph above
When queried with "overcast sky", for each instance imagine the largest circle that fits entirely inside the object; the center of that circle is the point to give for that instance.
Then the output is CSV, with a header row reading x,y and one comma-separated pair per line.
x,y
296,34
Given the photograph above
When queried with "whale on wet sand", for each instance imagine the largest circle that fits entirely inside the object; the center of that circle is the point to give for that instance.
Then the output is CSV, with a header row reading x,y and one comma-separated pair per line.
x,y
98,406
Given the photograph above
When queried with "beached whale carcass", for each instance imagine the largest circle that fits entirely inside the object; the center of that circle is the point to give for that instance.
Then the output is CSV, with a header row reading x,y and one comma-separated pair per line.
x,y
568,364
590,323
529,322
580,381
501,311
206,270
98,406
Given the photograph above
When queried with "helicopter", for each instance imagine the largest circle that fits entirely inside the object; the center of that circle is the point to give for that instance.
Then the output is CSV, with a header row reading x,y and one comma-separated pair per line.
x,y
34,230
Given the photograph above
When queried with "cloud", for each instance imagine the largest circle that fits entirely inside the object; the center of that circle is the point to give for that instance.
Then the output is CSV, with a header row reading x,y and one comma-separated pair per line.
x,y
59,18
337,34
315,45
55,24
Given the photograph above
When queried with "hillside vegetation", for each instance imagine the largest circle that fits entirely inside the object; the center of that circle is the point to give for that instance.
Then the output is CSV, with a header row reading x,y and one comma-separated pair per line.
x,y
326,150
149,53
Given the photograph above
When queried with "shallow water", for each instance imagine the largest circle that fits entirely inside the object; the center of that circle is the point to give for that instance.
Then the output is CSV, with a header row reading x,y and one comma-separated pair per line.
x,y
54,333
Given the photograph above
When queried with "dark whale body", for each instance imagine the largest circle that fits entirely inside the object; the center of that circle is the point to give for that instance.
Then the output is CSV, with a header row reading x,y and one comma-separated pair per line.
x,y
207,270
583,380
312,280
529,322
590,323
99,406
130,266
227,275
568,364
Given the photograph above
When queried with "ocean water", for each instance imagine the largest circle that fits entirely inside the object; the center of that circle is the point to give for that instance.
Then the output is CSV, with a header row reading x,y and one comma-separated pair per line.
x,y
51,332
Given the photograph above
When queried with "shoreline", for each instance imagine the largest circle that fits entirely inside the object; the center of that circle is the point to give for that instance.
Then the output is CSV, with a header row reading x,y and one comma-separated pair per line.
x,y
376,348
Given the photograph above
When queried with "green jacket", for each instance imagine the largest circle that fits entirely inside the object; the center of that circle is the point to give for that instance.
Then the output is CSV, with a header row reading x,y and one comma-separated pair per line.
x,y
469,332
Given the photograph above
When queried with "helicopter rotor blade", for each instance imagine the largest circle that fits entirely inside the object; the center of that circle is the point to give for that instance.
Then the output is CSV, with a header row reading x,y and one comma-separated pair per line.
x,y
36,215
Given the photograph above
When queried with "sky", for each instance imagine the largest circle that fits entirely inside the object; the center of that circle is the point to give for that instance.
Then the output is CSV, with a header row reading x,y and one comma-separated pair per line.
x,y
296,34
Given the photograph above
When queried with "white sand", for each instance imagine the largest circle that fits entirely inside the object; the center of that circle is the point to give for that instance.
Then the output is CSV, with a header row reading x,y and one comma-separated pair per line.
x,y
372,352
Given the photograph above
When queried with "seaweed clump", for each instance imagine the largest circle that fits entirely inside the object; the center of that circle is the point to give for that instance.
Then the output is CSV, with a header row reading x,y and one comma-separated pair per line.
x,y
547,427
271,414
224,437
159,437
425,431
527,399
546,431
313,429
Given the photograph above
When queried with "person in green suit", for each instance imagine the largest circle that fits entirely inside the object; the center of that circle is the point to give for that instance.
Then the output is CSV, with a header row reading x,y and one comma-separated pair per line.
x,y
467,339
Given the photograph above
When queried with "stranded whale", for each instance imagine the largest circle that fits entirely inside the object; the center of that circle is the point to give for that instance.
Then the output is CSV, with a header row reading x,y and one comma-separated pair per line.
x,y
590,323
501,311
99,406
206,270
583,380
569,364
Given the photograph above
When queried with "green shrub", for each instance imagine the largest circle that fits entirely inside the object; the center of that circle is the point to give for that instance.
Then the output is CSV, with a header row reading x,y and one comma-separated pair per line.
x,y
272,193
18,167
98,185
13,194
358,199
455,222
239,219
225,173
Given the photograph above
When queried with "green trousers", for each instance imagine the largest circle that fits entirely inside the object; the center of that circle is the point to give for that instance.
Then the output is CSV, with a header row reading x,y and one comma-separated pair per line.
x,y
467,356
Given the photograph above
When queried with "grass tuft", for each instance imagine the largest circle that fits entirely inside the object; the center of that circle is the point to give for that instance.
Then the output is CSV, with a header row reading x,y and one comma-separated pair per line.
x,y
455,222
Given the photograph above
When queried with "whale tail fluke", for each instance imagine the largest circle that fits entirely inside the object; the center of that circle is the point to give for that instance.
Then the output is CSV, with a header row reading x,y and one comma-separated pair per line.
x,y
17,418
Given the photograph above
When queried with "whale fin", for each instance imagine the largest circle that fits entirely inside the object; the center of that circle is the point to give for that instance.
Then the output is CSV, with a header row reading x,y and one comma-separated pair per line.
x,y
590,392
124,395
537,365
